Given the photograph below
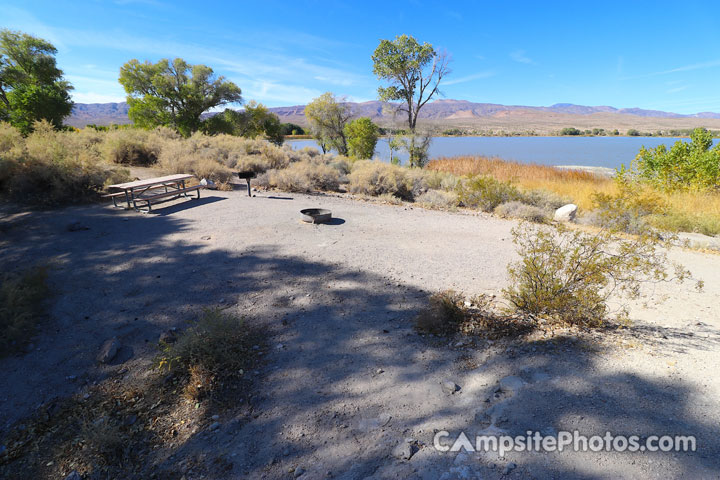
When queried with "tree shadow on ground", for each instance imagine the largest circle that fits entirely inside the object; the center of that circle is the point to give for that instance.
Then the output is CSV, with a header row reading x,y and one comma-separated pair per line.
x,y
346,378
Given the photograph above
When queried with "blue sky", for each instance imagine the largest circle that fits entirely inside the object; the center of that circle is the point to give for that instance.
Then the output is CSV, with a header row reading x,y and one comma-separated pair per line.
x,y
655,55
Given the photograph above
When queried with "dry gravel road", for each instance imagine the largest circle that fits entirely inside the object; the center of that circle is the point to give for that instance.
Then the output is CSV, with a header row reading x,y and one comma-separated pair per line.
x,y
348,385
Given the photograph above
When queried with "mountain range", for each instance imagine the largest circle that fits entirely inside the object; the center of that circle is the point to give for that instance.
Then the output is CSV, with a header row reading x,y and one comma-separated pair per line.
x,y
460,113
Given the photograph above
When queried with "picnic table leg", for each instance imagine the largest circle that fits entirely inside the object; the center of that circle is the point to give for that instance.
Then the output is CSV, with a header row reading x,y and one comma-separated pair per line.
x,y
127,198
248,185
183,187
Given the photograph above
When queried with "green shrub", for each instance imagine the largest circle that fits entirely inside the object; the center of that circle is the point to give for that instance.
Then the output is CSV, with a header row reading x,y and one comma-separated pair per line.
x,y
486,193
362,136
694,165
570,131
567,276
23,298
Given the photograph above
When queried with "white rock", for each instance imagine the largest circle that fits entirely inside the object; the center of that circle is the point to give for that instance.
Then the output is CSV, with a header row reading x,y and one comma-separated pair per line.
x,y
566,213
208,183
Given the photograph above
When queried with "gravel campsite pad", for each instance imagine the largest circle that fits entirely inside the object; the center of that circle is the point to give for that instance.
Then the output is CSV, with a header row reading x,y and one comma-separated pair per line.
x,y
346,388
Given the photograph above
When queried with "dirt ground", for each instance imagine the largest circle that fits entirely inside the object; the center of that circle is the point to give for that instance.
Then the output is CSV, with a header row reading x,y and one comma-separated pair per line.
x,y
348,385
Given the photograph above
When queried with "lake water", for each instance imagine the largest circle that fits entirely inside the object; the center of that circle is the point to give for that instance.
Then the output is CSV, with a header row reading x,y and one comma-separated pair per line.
x,y
608,152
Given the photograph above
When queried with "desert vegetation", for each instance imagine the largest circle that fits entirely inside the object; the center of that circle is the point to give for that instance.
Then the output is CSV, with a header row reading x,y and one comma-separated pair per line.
x,y
23,297
119,428
51,167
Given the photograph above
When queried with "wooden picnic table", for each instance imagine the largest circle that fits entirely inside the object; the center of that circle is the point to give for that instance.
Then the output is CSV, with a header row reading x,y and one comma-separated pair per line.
x,y
147,190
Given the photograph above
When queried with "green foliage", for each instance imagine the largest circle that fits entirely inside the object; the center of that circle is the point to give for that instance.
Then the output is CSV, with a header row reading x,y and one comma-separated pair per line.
x,y
362,136
252,122
327,116
633,133
570,131
291,129
486,193
174,94
417,147
567,276
23,298
31,86
414,72
694,165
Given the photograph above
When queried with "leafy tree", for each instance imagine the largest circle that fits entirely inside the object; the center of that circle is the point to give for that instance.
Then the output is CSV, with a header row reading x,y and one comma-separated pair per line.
x,y
31,86
570,131
362,136
694,165
291,129
633,133
174,94
414,72
327,116
252,122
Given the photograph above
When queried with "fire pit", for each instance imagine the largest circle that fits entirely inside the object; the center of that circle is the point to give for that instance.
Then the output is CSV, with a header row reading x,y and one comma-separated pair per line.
x,y
316,215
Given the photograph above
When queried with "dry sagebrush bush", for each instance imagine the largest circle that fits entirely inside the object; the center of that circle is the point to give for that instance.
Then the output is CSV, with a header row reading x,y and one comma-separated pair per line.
x,y
438,199
445,312
523,211
49,167
375,178
303,177
131,146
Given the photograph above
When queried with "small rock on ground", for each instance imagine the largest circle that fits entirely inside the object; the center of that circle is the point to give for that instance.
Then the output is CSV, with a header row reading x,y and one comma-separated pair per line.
x,y
450,387
109,350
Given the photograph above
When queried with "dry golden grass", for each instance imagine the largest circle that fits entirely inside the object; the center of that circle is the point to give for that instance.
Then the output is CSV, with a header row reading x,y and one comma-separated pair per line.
x,y
576,184
685,211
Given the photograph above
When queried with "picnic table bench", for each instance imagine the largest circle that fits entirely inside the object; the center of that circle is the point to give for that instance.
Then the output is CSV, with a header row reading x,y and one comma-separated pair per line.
x,y
149,190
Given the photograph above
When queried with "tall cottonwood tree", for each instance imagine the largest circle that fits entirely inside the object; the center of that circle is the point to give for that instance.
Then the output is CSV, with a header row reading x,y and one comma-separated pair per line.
x,y
174,93
414,72
327,116
31,85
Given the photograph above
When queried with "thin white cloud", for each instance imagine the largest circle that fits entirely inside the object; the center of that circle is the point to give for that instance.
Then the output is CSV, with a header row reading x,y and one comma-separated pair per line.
x,y
676,89
520,57
685,68
93,97
281,93
469,78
